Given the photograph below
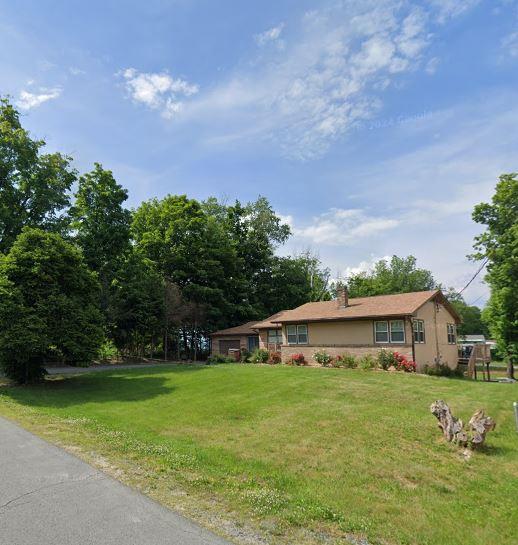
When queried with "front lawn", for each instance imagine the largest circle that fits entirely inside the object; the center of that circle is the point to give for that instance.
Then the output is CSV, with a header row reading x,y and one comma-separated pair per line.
x,y
298,455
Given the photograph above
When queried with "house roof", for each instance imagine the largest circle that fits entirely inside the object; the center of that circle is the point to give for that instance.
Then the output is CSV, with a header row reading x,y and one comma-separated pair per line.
x,y
243,329
271,322
401,304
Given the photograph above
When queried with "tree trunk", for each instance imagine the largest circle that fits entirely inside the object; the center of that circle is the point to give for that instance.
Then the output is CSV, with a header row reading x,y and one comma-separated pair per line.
x,y
510,367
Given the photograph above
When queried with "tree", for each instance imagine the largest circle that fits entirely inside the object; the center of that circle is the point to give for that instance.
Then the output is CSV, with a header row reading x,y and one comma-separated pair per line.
x,y
498,244
136,308
101,224
472,322
399,275
48,306
34,186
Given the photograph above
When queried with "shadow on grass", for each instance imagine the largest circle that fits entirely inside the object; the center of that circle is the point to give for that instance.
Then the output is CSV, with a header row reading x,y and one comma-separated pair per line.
x,y
60,391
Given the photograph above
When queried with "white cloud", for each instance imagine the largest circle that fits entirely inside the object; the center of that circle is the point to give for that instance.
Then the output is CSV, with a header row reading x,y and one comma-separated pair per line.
x,y
28,100
447,9
343,226
327,81
271,35
510,44
158,90
432,65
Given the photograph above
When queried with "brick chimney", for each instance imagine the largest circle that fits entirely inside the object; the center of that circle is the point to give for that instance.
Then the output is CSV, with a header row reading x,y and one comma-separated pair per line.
x,y
342,296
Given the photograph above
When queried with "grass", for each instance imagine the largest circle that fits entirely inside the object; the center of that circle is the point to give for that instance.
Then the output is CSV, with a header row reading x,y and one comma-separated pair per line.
x,y
298,455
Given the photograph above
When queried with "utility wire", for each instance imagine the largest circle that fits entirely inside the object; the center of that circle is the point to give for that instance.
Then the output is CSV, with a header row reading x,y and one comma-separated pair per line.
x,y
484,263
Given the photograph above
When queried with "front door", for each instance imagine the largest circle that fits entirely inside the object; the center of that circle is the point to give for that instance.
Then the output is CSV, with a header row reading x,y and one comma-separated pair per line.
x,y
253,342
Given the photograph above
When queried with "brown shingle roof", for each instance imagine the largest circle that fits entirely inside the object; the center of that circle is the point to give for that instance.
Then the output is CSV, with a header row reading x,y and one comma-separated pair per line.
x,y
243,329
402,304
271,322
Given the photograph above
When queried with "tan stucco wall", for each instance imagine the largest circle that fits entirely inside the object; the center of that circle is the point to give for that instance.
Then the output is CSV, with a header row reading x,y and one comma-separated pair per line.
x,y
436,337
337,338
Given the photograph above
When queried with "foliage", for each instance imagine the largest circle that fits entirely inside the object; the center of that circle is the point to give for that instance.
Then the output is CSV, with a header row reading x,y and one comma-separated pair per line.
x,y
297,359
220,358
472,322
259,355
107,351
349,361
34,186
443,370
136,308
399,275
274,358
404,364
101,225
48,306
499,245
386,359
367,361
322,357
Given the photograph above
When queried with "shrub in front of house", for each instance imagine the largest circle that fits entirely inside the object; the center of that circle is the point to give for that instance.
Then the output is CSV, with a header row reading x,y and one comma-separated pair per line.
x,y
259,355
297,359
274,358
386,359
443,370
323,358
404,364
349,361
368,361
220,358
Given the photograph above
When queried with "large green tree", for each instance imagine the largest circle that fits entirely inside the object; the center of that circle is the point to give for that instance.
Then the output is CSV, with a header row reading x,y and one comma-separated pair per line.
x,y
101,224
472,322
498,244
35,187
399,275
49,308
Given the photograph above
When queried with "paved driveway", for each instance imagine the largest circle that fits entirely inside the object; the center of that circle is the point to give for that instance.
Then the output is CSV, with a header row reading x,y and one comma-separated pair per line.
x,y
49,497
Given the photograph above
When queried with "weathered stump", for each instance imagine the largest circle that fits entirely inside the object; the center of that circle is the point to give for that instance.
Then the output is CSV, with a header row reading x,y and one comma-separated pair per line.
x,y
453,428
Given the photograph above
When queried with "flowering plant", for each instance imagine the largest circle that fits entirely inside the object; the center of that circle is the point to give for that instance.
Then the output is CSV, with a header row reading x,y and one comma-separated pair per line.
x,y
404,364
275,357
322,357
298,359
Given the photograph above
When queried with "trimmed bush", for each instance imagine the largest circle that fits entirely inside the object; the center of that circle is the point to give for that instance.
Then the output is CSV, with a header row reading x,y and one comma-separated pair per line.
x,y
220,358
259,355
443,370
349,361
297,359
323,358
274,358
386,359
367,362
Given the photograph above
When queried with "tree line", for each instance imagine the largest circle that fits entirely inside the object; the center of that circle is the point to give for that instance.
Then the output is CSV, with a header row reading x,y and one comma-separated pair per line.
x,y
82,276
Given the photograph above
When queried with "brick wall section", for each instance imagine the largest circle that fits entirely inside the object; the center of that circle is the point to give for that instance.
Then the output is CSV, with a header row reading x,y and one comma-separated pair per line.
x,y
308,350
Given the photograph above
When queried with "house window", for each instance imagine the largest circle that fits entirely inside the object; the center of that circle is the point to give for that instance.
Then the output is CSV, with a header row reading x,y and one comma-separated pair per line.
x,y
451,333
381,332
297,334
397,331
253,343
419,331
275,337
389,332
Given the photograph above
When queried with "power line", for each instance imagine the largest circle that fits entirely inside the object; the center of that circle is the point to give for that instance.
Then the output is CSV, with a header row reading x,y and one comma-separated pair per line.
x,y
475,275
477,299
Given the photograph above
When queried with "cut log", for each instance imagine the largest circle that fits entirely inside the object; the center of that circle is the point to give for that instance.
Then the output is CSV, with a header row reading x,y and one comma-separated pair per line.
x,y
480,424
453,428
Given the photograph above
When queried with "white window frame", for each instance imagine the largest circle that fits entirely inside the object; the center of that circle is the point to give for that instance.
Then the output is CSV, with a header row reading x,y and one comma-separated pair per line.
x,y
418,327
392,341
451,333
297,331
388,332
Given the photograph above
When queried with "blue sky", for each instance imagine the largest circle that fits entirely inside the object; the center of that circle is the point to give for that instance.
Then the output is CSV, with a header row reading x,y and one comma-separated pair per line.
x,y
372,126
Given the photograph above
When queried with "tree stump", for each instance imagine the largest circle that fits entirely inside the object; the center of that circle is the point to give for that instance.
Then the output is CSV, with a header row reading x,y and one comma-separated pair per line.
x,y
453,428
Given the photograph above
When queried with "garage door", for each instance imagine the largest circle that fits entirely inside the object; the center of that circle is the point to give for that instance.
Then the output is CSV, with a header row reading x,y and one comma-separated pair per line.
x,y
225,346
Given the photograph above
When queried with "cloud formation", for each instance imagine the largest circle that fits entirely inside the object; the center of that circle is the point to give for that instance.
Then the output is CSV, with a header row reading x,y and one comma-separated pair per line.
x,y
271,35
158,91
28,100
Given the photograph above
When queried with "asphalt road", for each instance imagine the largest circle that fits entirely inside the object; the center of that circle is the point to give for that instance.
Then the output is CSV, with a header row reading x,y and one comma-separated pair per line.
x,y
49,497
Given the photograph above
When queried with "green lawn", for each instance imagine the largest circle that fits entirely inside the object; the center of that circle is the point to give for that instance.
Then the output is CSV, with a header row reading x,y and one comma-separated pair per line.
x,y
295,454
